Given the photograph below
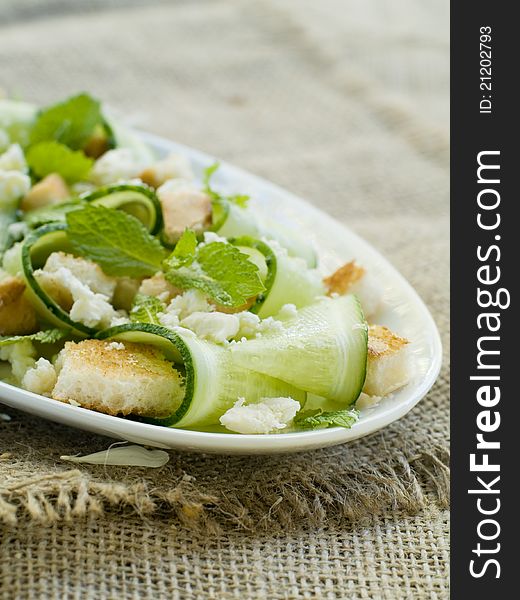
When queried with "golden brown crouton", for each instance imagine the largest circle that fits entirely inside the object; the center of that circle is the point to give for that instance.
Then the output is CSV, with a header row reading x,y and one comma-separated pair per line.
x,y
159,287
117,377
50,190
17,316
388,366
184,206
342,279
174,166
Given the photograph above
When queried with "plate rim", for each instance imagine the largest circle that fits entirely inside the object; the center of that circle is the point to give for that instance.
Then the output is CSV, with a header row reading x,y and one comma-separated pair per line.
x,y
234,443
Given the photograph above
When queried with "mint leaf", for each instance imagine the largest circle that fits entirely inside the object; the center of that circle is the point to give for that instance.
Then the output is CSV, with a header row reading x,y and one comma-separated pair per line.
x,y
51,214
116,241
184,252
239,199
314,419
52,157
71,122
222,272
145,309
49,336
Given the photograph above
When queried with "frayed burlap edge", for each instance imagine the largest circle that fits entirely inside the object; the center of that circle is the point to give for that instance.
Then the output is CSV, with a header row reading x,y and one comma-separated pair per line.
x,y
407,483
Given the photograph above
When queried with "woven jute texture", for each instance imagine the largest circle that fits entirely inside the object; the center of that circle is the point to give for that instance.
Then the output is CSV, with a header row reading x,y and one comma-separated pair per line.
x,y
344,103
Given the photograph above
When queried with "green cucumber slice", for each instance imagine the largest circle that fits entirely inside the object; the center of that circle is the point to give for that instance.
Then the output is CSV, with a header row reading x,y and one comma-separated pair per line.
x,y
35,249
288,281
323,350
140,201
230,220
213,382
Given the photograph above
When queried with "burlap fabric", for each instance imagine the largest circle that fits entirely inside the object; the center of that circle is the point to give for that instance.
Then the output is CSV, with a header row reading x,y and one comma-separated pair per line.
x,y
345,103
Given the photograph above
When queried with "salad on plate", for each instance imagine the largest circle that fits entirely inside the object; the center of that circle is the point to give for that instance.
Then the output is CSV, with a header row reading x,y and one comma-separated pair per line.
x,y
131,287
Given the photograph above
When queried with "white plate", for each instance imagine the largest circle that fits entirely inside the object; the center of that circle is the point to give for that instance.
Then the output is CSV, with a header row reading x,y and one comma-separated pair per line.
x,y
402,311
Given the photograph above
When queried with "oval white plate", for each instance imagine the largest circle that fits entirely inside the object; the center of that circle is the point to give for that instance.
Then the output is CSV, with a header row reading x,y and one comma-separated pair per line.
x,y
402,310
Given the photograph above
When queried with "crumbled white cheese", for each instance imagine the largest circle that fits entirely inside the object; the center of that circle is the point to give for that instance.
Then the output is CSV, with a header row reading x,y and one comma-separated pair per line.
x,y
41,378
20,356
89,308
12,260
13,159
269,325
288,311
266,416
116,165
189,302
13,186
211,236
18,230
116,346
168,319
86,271
249,323
214,326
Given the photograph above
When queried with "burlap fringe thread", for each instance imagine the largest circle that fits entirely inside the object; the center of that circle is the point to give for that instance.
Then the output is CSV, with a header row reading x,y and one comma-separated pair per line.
x,y
309,499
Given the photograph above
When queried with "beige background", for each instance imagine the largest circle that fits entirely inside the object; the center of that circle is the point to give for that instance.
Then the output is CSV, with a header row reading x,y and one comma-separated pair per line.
x,y
346,103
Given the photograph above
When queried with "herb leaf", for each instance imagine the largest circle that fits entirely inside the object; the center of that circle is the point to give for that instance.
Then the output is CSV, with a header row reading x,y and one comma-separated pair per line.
x,y
71,122
184,252
222,272
145,309
53,157
48,336
118,242
314,419
239,199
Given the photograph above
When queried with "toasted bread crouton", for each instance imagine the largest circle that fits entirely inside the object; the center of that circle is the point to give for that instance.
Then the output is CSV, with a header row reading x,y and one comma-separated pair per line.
x,y
342,279
388,366
174,166
87,272
50,190
118,378
17,316
183,206
159,287
353,279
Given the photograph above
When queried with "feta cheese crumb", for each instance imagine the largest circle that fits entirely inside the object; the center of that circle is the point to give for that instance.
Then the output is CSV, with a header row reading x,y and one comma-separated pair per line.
x,y
288,311
13,186
116,165
40,379
88,307
13,159
18,230
12,261
211,236
20,356
116,346
266,416
189,302
249,323
86,271
215,326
